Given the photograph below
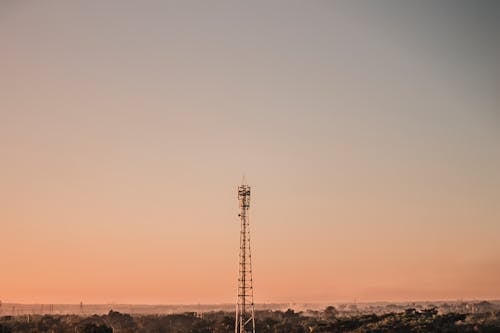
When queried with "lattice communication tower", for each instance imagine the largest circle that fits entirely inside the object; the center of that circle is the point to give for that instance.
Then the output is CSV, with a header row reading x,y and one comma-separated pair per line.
x,y
245,314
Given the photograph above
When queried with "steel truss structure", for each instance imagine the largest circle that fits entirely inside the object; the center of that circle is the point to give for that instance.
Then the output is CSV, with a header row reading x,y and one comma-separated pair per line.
x,y
245,313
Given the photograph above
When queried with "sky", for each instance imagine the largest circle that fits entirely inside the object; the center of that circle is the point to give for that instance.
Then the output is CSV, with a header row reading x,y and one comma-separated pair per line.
x,y
368,131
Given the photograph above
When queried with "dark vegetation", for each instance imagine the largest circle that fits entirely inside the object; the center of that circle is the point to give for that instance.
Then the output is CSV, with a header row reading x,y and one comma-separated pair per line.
x,y
329,320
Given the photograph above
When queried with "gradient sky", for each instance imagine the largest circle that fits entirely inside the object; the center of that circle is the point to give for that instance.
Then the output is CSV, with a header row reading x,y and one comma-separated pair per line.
x,y
369,132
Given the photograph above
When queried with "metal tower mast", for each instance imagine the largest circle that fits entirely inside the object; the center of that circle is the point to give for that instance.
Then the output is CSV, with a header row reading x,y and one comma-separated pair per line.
x,y
245,319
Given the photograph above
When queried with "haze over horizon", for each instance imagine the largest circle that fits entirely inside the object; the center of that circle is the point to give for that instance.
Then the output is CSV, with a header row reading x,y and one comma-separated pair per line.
x,y
369,132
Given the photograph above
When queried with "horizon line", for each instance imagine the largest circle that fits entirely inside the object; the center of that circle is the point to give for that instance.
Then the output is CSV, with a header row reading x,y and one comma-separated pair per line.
x,y
258,303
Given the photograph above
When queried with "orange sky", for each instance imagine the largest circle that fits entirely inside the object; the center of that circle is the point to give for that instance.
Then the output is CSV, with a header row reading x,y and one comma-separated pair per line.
x,y
369,135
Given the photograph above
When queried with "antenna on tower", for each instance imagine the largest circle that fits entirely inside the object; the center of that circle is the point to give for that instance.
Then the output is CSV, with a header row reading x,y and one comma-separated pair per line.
x,y
245,313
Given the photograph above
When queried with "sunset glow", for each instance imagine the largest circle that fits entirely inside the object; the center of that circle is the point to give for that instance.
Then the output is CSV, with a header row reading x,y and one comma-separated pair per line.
x,y
370,135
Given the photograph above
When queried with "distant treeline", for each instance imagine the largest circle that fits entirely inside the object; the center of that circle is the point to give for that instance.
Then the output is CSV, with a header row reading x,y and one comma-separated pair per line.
x,y
328,320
